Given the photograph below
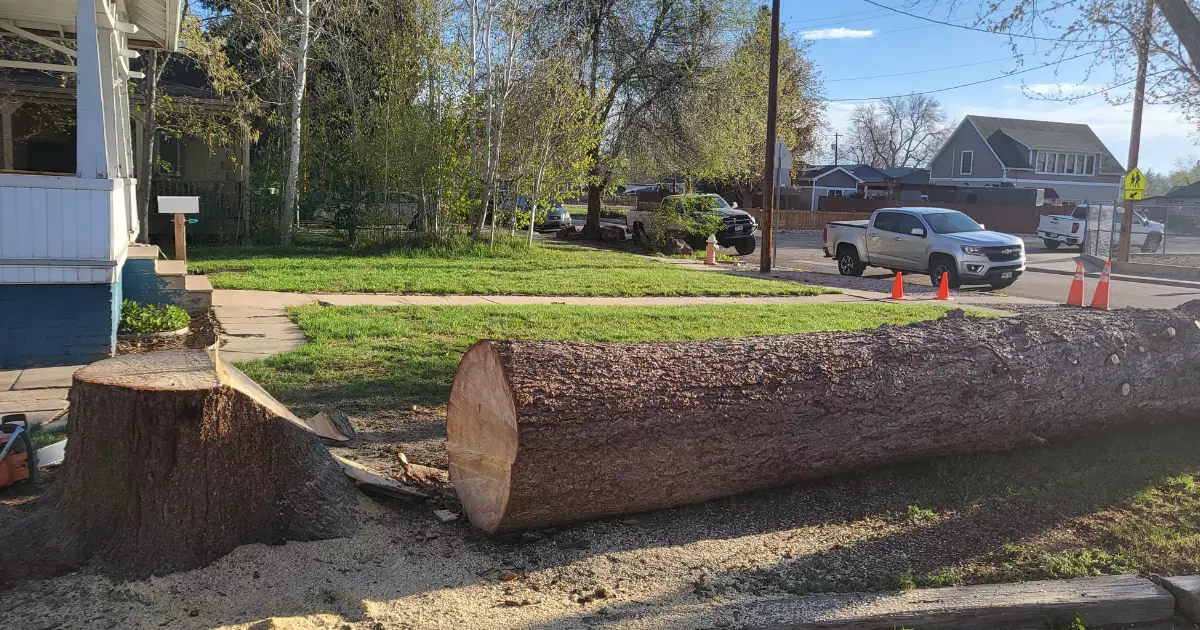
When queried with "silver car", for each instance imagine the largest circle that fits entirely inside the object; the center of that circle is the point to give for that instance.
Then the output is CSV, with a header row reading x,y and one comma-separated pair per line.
x,y
933,241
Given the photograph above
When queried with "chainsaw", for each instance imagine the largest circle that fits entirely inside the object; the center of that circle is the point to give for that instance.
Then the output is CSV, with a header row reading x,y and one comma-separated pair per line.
x,y
17,458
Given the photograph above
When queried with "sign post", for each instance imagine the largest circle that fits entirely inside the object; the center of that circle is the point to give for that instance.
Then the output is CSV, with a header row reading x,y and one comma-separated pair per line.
x,y
179,206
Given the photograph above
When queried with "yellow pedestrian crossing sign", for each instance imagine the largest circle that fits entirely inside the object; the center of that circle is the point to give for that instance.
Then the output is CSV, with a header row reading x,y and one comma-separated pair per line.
x,y
1135,185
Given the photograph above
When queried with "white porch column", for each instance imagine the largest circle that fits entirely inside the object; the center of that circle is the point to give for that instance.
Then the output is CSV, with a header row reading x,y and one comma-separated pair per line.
x,y
121,107
110,83
92,139
6,112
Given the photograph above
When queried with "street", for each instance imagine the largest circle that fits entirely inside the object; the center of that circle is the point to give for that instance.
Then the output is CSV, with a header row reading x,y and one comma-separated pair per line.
x,y
803,251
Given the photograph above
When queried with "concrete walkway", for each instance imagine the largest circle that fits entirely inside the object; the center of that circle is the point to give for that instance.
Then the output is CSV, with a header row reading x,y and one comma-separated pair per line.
x,y
39,393
256,325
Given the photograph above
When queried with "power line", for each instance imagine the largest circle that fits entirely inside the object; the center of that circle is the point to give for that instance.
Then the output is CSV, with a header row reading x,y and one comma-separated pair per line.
x,y
904,74
996,78
963,26
862,15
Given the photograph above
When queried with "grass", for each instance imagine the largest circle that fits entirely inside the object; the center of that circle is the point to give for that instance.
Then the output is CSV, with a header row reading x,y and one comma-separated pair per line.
x,y
42,439
364,358
460,265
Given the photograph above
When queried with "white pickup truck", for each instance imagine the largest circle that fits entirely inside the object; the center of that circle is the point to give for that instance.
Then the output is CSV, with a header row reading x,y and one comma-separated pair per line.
x,y
933,241
1063,229
1060,229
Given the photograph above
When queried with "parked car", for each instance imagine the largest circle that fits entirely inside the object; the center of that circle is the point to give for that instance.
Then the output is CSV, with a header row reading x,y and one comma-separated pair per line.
x,y
1146,235
555,218
739,224
926,240
1060,229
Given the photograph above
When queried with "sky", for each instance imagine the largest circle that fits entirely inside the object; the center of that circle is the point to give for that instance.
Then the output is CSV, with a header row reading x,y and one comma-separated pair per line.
x,y
861,51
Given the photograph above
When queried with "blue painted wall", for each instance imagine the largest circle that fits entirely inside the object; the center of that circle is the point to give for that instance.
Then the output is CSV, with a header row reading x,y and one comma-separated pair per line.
x,y
142,284
58,324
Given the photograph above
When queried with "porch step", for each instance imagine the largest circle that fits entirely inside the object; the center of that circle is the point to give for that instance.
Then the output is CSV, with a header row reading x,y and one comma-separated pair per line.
x,y
170,267
143,252
197,295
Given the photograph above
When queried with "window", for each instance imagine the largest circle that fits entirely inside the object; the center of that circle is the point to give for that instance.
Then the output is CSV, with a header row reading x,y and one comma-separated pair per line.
x,y
887,221
951,223
1065,163
966,163
906,223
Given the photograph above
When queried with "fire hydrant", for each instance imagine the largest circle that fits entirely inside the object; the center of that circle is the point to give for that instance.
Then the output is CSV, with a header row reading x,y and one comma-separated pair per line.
x,y
710,252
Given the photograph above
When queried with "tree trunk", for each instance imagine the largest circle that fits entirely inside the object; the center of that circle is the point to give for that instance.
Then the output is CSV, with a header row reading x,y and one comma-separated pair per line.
x,y
1186,25
618,428
149,148
290,204
591,229
171,463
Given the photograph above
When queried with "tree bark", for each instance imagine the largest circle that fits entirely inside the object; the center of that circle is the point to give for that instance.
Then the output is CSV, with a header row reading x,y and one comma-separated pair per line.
x,y
149,148
1186,25
290,204
619,428
172,463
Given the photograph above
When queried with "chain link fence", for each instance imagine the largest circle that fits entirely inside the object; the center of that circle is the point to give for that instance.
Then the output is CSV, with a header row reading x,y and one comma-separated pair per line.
x,y
1166,234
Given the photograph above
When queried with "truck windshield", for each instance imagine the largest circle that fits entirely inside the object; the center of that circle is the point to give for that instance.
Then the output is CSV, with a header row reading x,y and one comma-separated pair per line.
x,y
951,223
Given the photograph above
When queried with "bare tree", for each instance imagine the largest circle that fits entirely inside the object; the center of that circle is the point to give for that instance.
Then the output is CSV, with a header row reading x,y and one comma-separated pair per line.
x,y
897,132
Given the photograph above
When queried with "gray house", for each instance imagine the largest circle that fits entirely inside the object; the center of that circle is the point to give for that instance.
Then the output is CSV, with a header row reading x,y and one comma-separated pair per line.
x,y
1065,157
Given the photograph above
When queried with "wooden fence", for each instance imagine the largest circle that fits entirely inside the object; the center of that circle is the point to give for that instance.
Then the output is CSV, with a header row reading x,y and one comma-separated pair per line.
x,y
806,220
1001,218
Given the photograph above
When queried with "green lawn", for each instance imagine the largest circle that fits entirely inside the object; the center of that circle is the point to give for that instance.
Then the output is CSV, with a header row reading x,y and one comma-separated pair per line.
x,y
468,267
364,358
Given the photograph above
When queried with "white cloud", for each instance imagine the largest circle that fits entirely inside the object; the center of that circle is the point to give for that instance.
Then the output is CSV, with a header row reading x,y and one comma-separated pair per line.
x,y
837,33
1058,89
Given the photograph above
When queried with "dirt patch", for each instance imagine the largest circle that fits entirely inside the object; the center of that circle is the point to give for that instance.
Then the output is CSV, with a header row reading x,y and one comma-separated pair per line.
x,y
201,334
717,564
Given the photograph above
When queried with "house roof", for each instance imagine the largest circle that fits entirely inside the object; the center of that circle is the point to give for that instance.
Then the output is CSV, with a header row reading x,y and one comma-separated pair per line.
x,y
1190,191
861,172
908,175
1012,138
157,20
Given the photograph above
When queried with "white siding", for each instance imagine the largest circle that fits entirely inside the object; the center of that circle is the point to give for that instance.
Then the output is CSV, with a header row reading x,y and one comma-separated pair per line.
x,y
80,227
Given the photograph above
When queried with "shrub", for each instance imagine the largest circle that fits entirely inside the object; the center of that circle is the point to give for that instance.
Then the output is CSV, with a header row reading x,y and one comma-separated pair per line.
x,y
138,318
689,217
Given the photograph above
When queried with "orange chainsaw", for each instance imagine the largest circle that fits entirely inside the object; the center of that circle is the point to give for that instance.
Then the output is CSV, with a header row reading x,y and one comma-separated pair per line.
x,y
17,459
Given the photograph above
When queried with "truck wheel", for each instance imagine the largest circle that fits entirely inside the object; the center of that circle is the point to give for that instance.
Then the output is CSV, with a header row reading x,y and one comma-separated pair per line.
x,y
1151,244
746,246
848,262
946,265
1051,244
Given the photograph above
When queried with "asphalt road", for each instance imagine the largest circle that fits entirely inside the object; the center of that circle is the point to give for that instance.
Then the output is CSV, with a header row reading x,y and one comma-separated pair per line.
x,y
803,251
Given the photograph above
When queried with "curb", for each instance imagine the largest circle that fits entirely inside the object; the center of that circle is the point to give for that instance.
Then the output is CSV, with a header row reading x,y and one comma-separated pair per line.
x,y
1123,278
1095,601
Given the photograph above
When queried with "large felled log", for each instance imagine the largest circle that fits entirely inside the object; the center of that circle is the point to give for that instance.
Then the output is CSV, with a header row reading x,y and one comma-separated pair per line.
x,y
172,461
548,432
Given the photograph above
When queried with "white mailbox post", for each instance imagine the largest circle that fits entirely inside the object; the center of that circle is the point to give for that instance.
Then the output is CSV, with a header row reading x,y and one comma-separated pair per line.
x,y
179,206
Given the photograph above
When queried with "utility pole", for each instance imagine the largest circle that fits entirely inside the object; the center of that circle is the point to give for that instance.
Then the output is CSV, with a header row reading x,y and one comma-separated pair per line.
x,y
836,135
1135,129
768,229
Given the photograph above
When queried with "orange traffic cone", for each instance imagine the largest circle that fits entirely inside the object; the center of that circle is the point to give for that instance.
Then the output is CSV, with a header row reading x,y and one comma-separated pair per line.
x,y
944,288
1100,298
1075,296
898,288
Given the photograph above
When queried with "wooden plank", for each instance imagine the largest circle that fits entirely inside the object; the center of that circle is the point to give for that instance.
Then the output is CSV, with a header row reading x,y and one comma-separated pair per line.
x,y
39,238
8,222
70,221
1097,601
54,222
1186,589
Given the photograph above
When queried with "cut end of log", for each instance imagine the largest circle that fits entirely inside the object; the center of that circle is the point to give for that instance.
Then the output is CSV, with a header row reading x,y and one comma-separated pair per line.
x,y
481,435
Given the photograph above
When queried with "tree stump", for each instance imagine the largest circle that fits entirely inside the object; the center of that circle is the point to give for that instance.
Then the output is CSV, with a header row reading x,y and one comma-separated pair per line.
x,y
173,460
541,433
